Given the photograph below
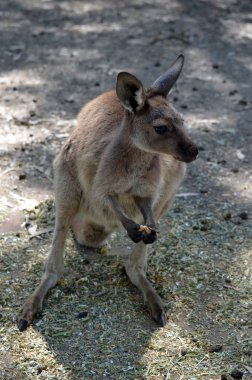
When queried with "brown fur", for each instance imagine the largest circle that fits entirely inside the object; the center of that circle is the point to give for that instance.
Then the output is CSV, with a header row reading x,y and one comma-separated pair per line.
x,y
116,170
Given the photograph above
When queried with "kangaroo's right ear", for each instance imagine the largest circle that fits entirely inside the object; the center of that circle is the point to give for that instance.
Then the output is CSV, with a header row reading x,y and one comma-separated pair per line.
x,y
130,92
165,82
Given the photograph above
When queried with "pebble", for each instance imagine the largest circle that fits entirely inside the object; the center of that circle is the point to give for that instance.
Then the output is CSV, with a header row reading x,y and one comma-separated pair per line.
x,y
221,162
226,376
243,215
227,216
215,348
233,92
247,352
183,352
201,148
243,102
22,176
32,113
40,369
204,228
235,170
82,314
236,374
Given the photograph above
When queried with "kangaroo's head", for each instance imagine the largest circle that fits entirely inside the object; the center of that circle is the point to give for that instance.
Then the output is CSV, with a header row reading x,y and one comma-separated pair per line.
x,y
154,125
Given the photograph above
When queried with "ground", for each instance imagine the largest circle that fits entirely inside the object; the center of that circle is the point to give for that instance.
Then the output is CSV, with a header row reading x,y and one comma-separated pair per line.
x,y
55,56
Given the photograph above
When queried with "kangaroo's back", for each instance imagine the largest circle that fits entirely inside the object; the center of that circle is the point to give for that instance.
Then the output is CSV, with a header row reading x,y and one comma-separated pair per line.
x,y
98,122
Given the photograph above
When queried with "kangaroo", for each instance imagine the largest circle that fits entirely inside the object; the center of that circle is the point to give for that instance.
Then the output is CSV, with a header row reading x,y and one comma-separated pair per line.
x,y
121,166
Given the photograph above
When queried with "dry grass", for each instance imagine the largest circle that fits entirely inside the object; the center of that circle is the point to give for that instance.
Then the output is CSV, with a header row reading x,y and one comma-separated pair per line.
x,y
201,265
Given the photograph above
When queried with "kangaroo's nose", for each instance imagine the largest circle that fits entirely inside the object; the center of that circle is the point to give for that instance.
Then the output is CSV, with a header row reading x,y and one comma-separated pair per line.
x,y
194,150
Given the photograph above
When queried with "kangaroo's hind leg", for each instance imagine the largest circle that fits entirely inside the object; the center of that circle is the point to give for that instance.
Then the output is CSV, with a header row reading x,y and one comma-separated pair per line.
x,y
136,270
67,201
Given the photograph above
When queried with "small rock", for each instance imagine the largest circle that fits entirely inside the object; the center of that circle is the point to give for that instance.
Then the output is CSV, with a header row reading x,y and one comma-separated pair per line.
x,y
157,64
175,99
215,348
226,376
235,170
206,129
238,222
22,176
22,121
33,229
228,280
215,66
70,99
227,216
201,148
82,314
183,352
222,162
32,113
236,374
40,369
204,228
184,106
247,352
243,102
194,89
204,221
243,215
233,92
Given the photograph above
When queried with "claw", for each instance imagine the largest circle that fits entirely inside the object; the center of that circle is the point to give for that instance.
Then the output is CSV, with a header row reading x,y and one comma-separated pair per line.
x,y
22,324
156,310
162,319
149,235
137,227
137,238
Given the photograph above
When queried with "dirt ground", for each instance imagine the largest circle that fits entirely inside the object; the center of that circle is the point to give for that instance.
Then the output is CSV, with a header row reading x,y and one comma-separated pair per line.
x,y
55,56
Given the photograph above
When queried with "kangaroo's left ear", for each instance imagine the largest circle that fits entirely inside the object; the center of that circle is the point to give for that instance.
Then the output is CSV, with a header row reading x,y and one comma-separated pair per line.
x,y
165,82
130,92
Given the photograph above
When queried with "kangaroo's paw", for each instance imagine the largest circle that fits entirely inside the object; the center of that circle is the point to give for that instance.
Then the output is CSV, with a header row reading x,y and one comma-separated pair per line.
x,y
30,309
149,235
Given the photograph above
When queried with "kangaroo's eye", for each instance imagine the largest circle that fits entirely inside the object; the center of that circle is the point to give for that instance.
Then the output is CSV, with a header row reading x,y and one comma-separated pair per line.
x,y
161,129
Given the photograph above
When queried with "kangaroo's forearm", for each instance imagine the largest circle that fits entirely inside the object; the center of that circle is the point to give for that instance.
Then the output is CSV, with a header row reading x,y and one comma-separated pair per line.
x,y
145,206
119,211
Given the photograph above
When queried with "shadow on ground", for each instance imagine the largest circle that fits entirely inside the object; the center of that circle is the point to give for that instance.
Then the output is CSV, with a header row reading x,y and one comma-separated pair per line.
x,y
57,55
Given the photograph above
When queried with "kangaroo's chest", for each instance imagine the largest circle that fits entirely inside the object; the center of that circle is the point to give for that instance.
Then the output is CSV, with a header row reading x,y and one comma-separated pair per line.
x,y
141,179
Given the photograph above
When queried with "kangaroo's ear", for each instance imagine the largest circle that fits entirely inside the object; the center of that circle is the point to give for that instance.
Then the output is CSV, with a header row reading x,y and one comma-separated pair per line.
x,y
130,92
165,82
